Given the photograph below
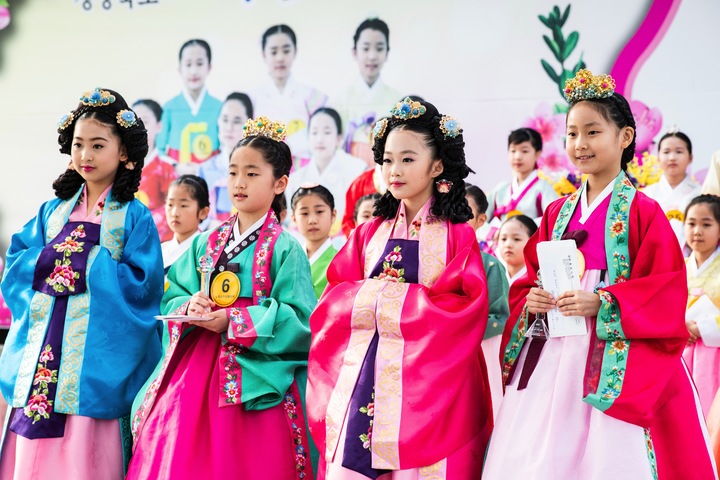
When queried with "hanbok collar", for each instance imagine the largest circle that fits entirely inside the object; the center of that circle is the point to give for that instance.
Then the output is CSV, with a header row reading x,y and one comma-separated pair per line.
x,y
368,89
403,229
81,214
517,188
692,266
587,210
319,252
288,91
238,237
520,273
195,104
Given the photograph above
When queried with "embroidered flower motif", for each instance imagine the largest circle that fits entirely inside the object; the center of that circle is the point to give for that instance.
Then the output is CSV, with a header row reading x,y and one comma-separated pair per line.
x,y
62,277
231,391
618,346
100,208
79,232
290,407
390,273
69,246
415,228
39,405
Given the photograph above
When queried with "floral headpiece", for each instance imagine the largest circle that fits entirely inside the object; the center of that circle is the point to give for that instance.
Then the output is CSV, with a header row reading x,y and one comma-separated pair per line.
x,y
450,127
97,98
587,86
407,109
126,118
264,127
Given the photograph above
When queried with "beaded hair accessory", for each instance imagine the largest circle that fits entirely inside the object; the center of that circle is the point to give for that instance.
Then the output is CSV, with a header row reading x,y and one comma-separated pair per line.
x,y
126,118
65,120
97,98
407,109
264,127
450,127
585,86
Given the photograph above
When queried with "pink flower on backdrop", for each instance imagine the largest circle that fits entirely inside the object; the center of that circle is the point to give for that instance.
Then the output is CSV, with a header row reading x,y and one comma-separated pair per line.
x,y
550,125
649,123
4,15
554,160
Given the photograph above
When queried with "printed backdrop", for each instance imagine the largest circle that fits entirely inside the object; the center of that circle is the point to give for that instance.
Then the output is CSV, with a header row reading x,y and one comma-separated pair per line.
x,y
484,62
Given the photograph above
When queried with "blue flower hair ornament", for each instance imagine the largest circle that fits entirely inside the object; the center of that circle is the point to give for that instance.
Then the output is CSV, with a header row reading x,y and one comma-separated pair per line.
x,y
97,98
126,118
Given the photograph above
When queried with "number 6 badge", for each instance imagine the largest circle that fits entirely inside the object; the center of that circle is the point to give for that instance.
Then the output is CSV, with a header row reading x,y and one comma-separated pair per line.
x,y
225,289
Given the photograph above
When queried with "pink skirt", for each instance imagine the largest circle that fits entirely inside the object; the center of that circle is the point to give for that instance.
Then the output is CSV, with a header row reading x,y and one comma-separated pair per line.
x,y
491,351
703,362
91,449
187,435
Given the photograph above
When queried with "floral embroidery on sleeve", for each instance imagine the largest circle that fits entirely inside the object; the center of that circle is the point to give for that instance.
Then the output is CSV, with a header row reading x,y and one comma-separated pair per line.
x,y
390,272
39,405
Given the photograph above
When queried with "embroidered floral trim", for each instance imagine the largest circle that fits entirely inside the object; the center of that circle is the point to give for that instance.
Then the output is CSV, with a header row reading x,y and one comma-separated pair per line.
x,y
100,208
301,455
517,339
369,410
231,387
261,285
39,405
651,453
390,273
63,276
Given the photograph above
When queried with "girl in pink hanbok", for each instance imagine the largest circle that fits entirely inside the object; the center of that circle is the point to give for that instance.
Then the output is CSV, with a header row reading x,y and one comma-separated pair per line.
x,y
616,402
397,385
702,354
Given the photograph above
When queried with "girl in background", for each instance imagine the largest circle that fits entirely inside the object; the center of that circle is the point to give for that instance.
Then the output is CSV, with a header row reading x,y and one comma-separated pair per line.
x,y
616,402
512,238
329,166
498,310
374,413
702,355
313,211
189,122
526,193
367,98
159,170
186,207
235,112
364,208
83,282
676,187
282,97
230,389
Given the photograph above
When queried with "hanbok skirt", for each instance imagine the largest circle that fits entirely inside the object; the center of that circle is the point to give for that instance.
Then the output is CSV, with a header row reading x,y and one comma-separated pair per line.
x,y
704,365
188,435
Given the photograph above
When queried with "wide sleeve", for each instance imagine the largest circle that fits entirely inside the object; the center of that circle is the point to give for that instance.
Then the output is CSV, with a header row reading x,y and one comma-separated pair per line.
x,y
274,336
641,329
498,289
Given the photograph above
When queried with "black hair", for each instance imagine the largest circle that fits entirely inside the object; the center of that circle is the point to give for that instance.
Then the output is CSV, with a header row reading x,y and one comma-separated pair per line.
x,y
318,190
277,154
275,29
373,24
478,197
133,139
679,135
451,206
152,105
201,43
370,196
712,201
244,99
527,222
198,188
332,113
616,110
526,134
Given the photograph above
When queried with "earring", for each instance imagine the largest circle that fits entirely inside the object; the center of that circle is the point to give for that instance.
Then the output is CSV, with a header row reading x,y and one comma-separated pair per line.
x,y
443,186
130,165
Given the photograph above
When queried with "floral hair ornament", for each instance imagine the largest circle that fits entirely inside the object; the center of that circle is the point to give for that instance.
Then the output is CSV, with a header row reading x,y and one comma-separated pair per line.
x,y
408,109
449,126
264,127
97,98
126,118
65,120
586,86
130,165
380,128
443,186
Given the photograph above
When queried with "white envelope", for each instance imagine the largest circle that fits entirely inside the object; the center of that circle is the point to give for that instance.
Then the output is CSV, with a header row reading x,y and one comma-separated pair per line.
x,y
559,272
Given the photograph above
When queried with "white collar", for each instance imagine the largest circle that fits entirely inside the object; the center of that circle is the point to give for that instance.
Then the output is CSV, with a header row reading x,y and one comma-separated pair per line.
x,y
517,188
195,104
519,274
362,84
586,210
692,263
238,237
318,253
